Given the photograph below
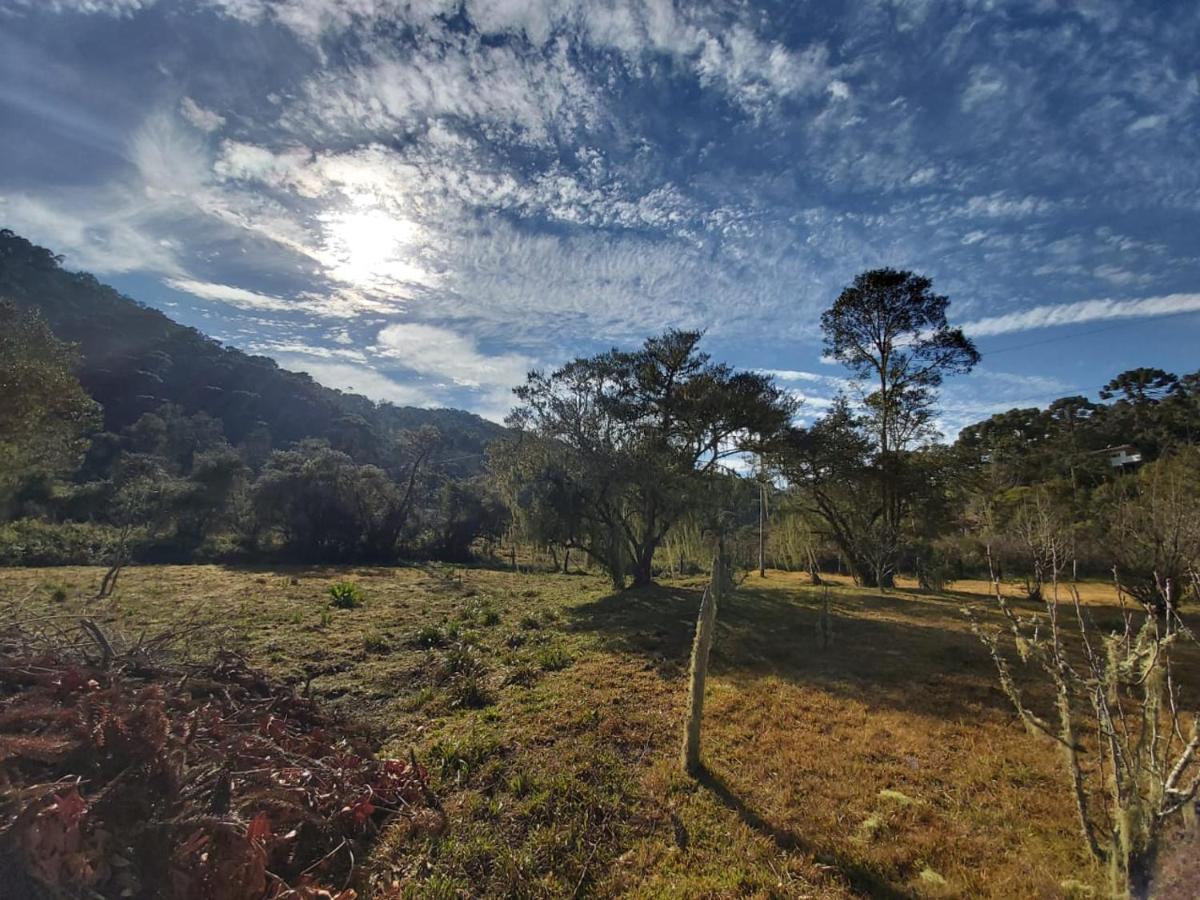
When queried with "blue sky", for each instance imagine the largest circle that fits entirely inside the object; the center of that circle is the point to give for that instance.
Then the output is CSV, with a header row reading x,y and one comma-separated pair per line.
x,y
421,199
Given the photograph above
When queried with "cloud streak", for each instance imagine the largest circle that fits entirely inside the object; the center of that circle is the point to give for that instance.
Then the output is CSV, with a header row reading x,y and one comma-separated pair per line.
x,y
1048,316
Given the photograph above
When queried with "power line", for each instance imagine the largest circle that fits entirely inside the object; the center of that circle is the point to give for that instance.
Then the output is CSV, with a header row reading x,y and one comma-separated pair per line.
x,y
1068,337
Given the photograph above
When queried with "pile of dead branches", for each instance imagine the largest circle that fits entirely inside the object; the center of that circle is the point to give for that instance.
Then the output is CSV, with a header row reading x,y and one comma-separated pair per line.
x,y
120,777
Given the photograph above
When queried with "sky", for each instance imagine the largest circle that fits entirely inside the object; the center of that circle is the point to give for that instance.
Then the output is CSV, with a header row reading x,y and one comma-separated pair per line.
x,y
421,200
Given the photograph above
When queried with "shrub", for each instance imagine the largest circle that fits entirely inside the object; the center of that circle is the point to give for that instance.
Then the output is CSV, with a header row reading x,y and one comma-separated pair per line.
x,y
345,595
428,636
936,574
461,660
32,542
553,659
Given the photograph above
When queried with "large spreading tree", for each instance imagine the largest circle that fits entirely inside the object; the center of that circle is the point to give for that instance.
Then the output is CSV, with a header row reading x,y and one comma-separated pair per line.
x,y
626,441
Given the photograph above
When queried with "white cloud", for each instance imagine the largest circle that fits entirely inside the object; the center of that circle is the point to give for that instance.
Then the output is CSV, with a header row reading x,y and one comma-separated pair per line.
x,y
442,353
511,94
106,230
1083,311
204,119
90,7
288,169
924,175
357,379
1148,123
832,381
984,84
1002,205
226,293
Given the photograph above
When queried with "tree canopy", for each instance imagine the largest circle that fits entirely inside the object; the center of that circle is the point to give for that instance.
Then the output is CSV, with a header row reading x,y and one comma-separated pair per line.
x,y
630,437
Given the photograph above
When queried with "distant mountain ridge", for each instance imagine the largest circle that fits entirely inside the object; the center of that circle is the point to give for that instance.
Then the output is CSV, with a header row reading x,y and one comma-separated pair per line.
x,y
135,358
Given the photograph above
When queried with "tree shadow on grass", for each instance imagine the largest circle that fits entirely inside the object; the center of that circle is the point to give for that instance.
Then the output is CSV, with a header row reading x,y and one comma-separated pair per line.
x,y
908,654
862,879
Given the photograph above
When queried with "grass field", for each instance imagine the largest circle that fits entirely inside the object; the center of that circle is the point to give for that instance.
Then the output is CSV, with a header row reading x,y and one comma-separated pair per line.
x,y
549,712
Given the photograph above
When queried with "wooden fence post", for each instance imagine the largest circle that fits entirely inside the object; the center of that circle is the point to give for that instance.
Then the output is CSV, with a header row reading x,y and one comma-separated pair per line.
x,y
699,668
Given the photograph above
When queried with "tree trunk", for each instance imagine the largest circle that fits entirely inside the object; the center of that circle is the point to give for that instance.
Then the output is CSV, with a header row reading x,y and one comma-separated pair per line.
x,y
814,573
762,530
701,645
643,565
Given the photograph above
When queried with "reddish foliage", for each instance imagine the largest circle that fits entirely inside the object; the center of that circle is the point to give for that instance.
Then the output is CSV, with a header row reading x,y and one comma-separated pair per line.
x,y
208,783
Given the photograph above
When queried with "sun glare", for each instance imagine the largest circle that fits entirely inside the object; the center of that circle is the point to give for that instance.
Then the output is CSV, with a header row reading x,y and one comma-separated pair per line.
x,y
371,248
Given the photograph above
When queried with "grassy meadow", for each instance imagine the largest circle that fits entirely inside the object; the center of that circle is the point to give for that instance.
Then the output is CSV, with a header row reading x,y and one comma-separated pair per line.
x,y
549,713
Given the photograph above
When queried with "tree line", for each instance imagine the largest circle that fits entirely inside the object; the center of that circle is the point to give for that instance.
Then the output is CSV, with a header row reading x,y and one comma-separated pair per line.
x,y
171,487
636,462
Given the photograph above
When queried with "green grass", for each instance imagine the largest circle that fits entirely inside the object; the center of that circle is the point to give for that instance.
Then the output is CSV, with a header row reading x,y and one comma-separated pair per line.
x,y
886,765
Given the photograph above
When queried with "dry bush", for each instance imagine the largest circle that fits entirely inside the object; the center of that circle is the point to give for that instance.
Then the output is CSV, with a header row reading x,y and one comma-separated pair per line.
x,y
1120,688
123,776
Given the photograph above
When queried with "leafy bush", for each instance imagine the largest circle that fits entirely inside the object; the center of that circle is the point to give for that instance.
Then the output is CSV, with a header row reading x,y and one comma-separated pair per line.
x,y
33,542
345,595
935,573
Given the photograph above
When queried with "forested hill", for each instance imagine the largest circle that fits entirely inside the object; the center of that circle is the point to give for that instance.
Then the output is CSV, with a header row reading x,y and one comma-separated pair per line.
x,y
135,359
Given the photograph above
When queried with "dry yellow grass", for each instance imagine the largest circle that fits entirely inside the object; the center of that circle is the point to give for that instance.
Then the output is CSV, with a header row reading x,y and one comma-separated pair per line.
x,y
886,765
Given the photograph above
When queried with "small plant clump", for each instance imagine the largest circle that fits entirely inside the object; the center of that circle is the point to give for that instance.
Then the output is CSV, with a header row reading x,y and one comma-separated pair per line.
x,y
428,637
377,642
460,660
345,595
553,659
469,692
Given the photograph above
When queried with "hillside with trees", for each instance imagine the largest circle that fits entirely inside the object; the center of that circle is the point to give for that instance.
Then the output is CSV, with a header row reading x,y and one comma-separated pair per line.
x,y
126,435
132,360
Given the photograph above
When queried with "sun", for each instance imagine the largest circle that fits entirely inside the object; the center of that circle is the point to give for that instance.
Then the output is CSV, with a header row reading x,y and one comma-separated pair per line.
x,y
371,248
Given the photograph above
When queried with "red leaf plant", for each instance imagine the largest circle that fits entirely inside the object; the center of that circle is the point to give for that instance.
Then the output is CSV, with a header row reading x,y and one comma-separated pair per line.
x,y
197,783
